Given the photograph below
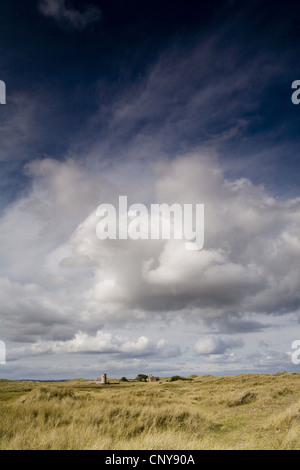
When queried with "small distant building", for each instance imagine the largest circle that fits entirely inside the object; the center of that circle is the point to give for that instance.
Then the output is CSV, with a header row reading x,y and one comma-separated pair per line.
x,y
151,378
102,379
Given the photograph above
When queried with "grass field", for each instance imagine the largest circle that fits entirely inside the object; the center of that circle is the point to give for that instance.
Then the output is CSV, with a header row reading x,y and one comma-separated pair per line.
x,y
206,412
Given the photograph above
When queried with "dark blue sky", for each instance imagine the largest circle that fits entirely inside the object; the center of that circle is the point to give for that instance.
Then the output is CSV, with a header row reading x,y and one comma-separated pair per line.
x,y
69,80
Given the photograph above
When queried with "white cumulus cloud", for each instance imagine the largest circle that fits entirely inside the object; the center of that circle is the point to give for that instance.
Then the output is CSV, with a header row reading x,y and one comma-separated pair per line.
x,y
215,345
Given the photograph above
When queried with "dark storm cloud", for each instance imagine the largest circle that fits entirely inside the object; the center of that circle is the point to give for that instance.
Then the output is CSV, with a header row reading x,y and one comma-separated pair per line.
x,y
232,323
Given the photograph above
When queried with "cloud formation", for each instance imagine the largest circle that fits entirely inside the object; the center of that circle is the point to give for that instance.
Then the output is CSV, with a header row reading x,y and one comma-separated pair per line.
x,y
215,345
100,343
60,283
195,109
68,17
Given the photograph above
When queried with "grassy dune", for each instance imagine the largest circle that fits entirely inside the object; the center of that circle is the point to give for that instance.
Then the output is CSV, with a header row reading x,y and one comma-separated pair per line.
x,y
207,412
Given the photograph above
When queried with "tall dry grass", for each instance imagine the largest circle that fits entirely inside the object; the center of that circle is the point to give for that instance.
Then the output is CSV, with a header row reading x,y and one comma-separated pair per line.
x,y
238,412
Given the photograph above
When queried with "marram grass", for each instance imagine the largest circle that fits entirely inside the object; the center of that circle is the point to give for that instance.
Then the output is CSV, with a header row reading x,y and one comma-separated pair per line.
x,y
237,412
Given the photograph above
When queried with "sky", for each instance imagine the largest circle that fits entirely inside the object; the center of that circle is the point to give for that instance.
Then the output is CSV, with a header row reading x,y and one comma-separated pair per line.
x,y
164,102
